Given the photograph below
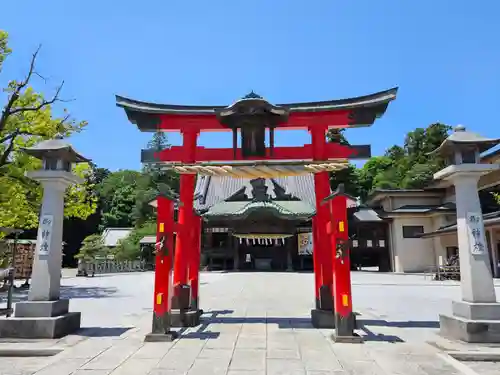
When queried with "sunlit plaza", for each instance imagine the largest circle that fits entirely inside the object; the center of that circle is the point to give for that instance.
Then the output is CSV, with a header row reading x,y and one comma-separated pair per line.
x,y
254,323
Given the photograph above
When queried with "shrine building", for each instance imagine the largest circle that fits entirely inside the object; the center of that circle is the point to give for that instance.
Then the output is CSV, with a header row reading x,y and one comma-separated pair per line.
x,y
237,212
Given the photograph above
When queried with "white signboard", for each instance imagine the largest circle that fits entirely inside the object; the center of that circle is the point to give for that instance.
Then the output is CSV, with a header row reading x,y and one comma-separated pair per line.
x,y
45,230
475,227
305,241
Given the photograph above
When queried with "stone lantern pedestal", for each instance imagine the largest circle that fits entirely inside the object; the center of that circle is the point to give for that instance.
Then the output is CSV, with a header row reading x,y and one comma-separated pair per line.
x,y
476,317
45,314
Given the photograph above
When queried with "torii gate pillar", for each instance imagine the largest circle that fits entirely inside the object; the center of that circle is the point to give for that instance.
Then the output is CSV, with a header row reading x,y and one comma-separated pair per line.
x,y
322,316
184,313
163,272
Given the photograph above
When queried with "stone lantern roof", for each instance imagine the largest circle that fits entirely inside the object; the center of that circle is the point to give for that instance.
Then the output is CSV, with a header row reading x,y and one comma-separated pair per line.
x,y
55,148
463,138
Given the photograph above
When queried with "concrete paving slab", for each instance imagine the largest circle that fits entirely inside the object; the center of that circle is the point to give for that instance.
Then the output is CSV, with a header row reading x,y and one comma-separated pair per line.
x,y
248,359
251,329
485,368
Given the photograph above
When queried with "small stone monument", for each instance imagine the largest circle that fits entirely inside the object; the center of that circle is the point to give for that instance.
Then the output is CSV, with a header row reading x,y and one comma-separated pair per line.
x,y
45,315
476,318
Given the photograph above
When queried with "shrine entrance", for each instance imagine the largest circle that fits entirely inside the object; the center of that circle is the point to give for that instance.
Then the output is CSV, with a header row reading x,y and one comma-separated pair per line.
x,y
176,300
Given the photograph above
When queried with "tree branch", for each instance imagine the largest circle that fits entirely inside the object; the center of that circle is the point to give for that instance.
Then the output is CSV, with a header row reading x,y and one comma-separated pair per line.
x,y
43,104
7,111
12,136
6,153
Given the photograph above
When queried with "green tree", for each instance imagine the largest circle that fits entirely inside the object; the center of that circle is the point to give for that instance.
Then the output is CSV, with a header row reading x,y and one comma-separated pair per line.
x,y
27,117
4,47
97,175
117,198
407,166
348,176
337,135
92,246
153,181
130,248
395,153
374,174
420,142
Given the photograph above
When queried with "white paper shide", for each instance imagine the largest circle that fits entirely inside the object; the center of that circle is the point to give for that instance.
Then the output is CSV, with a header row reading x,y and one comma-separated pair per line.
x,y
475,227
45,231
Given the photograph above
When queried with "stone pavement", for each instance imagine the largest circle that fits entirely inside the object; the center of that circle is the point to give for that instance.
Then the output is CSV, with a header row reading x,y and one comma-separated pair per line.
x,y
255,323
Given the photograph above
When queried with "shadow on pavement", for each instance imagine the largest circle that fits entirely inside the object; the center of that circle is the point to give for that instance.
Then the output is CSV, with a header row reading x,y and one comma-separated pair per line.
x,y
201,333
76,292
217,317
400,324
363,325
79,292
102,331
282,322
372,336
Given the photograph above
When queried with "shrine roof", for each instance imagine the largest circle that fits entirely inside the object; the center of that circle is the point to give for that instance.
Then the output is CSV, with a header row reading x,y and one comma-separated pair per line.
x,y
111,236
211,190
56,147
461,136
283,209
422,209
489,220
380,99
366,214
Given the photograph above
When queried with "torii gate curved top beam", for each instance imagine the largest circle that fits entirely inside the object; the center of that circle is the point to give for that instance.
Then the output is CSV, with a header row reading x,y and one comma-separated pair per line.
x,y
344,113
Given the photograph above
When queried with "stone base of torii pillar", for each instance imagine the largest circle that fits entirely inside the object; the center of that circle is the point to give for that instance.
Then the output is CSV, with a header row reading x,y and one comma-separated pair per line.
x,y
476,318
45,315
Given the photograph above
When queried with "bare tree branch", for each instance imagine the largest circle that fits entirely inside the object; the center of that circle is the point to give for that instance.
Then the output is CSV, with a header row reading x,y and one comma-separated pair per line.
x,y
7,111
43,104
40,76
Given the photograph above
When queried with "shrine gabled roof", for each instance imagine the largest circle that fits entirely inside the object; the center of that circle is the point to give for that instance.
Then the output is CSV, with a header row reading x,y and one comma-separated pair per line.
x,y
211,190
282,209
380,99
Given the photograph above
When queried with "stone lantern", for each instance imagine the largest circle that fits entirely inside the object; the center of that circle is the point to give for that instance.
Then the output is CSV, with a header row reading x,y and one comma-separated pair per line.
x,y
476,318
45,315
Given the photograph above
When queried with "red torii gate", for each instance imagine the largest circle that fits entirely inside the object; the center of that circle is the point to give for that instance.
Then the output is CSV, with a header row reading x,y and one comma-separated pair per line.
x,y
251,115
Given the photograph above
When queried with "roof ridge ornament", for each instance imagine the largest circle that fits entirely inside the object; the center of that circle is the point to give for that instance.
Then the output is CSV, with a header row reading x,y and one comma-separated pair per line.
x,y
252,95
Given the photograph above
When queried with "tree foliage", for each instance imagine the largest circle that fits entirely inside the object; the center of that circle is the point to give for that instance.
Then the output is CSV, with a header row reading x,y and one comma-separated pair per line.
x,y
4,47
130,248
125,195
27,118
117,195
154,181
92,247
336,135
407,166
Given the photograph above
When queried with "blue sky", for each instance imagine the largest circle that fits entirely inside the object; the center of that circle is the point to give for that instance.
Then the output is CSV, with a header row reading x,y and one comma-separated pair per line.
x,y
444,55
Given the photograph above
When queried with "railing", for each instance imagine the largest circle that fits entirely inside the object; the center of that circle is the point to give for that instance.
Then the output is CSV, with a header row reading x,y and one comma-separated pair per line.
x,y
439,273
111,266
